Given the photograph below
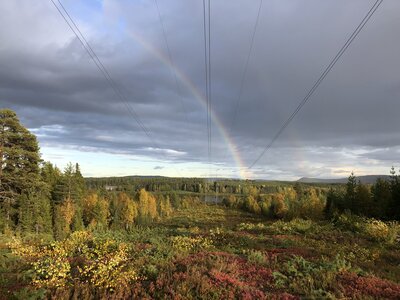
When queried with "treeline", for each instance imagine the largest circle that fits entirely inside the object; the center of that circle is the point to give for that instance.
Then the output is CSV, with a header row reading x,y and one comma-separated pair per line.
x,y
380,200
37,197
80,209
193,185
64,205
299,201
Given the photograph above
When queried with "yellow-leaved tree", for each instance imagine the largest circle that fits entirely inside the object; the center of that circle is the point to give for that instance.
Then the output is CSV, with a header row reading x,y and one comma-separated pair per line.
x,y
63,215
165,207
125,212
147,207
96,211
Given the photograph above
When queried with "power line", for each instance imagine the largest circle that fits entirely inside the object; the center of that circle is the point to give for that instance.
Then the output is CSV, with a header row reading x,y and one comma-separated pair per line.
x,y
103,70
173,72
209,79
236,105
207,73
321,78
75,29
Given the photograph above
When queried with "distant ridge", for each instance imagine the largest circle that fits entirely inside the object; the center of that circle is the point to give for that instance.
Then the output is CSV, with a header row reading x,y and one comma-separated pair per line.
x,y
367,179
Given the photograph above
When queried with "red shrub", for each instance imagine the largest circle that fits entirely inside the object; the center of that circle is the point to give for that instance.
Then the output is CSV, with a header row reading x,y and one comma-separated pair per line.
x,y
216,275
358,286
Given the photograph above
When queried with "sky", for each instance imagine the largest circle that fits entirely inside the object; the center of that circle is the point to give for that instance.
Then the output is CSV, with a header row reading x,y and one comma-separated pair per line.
x,y
351,123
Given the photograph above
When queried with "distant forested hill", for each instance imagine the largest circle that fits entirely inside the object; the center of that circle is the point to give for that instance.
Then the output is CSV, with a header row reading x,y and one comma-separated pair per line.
x,y
368,179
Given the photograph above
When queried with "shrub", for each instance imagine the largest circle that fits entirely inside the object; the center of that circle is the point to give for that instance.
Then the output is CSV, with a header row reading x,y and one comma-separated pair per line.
x,y
251,226
81,259
373,229
231,201
308,278
256,257
251,205
376,229
189,244
381,231
294,226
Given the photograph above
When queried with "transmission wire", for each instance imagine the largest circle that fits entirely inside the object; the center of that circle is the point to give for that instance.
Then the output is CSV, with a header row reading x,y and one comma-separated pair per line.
x,y
320,79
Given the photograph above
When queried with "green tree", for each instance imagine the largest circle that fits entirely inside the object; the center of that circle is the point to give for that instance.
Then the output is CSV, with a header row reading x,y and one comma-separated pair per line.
x,y
71,185
34,214
363,200
381,198
298,187
351,187
335,202
19,171
394,206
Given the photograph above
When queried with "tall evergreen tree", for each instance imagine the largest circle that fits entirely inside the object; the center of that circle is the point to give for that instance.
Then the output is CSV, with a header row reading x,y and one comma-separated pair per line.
x,y
19,171
363,201
394,206
382,198
351,187
35,211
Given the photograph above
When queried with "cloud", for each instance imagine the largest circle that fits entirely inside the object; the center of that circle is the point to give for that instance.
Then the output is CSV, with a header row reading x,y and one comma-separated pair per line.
x,y
158,168
50,81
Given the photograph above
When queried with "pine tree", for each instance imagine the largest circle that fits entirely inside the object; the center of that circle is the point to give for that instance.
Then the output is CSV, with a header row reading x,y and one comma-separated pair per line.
x,y
19,171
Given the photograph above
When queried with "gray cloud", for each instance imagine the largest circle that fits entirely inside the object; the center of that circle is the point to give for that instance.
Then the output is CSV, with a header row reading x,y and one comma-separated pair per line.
x,y
57,91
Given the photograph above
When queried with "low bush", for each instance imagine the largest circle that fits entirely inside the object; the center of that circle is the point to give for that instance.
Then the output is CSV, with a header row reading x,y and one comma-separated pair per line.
x,y
318,280
293,226
375,230
190,244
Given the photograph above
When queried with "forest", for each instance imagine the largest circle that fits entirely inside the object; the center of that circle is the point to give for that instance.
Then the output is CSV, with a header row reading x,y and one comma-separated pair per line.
x,y
63,236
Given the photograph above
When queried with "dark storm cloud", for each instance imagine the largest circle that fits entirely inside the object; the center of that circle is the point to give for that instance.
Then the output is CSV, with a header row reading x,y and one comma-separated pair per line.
x,y
57,91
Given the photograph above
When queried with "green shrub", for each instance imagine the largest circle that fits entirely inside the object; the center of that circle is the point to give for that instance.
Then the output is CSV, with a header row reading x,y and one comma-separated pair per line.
x,y
189,244
256,257
303,277
251,226
372,229
293,226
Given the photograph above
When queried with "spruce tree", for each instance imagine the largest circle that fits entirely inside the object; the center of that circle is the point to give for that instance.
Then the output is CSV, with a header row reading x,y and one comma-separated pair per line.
x,y
351,192
394,205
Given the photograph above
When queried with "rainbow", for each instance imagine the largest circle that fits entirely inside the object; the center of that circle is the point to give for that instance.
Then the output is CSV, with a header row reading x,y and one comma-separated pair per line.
x,y
244,172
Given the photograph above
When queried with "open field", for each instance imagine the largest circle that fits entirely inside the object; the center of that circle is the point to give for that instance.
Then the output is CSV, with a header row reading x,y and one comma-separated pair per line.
x,y
206,252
